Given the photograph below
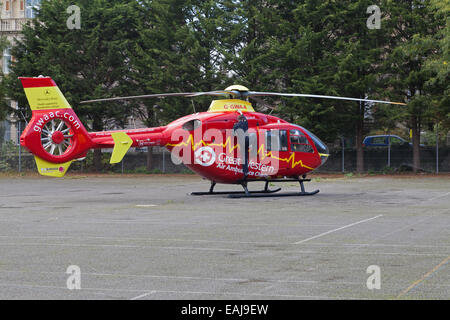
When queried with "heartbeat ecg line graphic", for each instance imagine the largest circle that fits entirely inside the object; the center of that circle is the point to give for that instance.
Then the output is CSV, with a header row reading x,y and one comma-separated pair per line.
x,y
261,151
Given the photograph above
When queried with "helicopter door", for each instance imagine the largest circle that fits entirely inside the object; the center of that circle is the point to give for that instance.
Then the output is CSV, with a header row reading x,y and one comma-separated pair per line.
x,y
277,147
251,153
253,145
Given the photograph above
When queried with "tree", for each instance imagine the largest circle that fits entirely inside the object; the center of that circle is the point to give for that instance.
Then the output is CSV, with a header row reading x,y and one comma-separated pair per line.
x,y
439,65
86,63
311,46
412,26
327,47
358,54
179,50
282,45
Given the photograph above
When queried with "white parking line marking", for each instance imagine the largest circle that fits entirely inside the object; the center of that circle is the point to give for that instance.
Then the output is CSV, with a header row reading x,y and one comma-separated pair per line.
x,y
117,246
213,249
165,223
180,292
319,244
400,245
334,230
143,295
187,278
441,196
115,239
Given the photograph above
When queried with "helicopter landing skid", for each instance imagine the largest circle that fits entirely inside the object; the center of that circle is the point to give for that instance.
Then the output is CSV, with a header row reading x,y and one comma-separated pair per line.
x,y
262,193
238,194
302,192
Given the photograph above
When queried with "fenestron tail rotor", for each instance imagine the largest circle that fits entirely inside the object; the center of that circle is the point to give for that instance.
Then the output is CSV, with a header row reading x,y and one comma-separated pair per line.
x,y
56,137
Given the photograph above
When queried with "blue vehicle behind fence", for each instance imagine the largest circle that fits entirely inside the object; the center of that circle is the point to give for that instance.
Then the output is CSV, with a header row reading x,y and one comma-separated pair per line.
x,y
382,141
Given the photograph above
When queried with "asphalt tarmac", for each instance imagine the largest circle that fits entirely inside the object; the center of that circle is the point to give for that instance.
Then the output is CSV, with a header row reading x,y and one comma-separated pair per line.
x,y
144,237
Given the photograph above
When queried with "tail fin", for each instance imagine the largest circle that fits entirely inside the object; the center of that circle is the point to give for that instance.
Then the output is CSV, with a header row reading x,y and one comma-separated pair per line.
x,y
54,135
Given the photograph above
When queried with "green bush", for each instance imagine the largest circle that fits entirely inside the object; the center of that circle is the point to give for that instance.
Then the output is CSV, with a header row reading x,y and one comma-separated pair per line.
x,y
388,170
4,166
8,152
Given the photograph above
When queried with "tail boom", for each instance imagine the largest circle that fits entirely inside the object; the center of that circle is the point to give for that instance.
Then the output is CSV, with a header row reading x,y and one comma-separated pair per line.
x,y
147,137
56,136
122,140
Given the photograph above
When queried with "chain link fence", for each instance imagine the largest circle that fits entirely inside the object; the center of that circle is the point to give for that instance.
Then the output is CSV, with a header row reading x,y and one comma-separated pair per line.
x,y
381,159
376,159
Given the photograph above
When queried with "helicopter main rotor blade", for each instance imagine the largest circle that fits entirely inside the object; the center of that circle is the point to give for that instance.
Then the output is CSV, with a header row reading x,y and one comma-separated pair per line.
x,y
163,95
237,94
253,94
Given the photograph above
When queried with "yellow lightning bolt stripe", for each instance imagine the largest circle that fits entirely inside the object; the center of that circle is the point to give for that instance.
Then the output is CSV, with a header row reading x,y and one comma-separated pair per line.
x,y
224,145
190,141
291,159
261,151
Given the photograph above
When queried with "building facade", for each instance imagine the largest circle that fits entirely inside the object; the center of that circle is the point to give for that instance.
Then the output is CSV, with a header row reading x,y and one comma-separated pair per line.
x,y
13,15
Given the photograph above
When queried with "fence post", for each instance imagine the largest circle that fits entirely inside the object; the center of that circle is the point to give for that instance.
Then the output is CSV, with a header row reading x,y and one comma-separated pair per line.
x,y
389,150
437,147
343,154
164,161
20,147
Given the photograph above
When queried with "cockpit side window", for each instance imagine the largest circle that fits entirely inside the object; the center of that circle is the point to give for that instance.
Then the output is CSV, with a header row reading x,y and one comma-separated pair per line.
x,y
276,140
299,142
253,145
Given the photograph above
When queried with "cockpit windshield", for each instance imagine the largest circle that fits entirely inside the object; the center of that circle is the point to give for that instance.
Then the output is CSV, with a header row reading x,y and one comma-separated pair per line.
x,y
321,147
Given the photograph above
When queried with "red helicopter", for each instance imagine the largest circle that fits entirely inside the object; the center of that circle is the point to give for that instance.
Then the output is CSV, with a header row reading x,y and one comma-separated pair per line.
x,y
230,143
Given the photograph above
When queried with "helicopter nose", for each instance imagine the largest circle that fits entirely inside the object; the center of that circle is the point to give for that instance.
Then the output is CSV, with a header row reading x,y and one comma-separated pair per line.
x,y
321,147
324,157
323,151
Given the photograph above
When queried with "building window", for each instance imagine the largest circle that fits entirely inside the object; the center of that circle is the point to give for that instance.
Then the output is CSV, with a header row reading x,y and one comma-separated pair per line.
x,y
5,128
30,7
8,5
22,5
6,60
